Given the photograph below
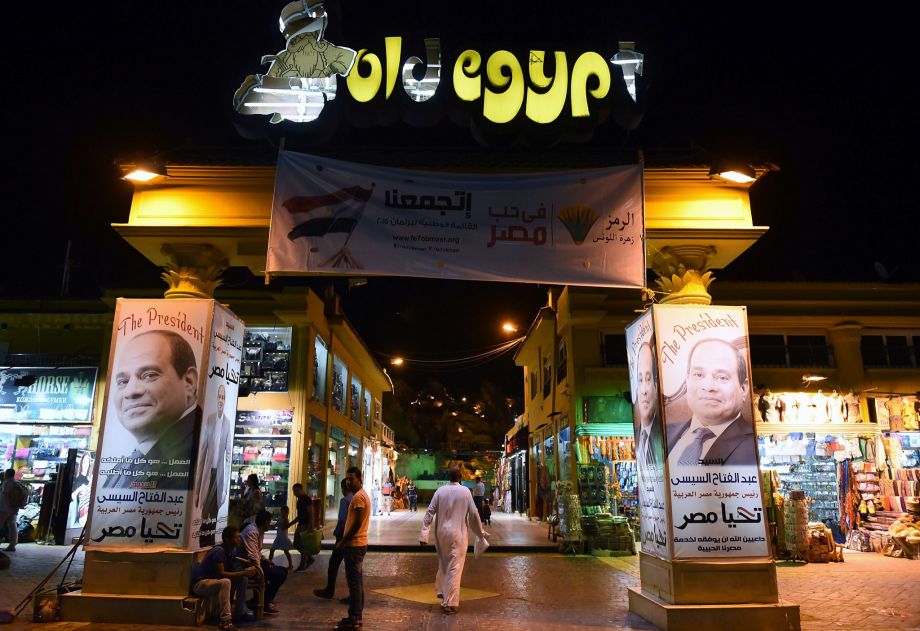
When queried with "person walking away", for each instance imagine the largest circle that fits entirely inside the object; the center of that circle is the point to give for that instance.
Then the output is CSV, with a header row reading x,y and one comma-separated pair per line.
x,y
282,540
455,511
412,494
387,492
253,537
304,522
13,496
337,553
375,497
212,577
486,512
479,494
354,547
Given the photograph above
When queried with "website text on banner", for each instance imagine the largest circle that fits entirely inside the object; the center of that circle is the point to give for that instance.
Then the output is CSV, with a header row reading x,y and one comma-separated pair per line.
x,y
573,227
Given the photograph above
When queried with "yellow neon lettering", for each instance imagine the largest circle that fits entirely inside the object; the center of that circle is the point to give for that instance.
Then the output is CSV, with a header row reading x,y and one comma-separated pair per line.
x,y
467,82
394,50
586,66
545,107
364,88
503,71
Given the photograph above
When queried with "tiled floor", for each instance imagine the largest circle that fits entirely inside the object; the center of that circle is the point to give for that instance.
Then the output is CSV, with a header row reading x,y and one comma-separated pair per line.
x,y
539,592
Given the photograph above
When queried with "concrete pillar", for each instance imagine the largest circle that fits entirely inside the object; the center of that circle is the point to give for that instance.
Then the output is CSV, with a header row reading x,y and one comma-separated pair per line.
x,y
194,270
845,340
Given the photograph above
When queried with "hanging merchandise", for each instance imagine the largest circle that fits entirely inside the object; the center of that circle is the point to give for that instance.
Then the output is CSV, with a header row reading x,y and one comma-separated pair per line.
x,y
796,525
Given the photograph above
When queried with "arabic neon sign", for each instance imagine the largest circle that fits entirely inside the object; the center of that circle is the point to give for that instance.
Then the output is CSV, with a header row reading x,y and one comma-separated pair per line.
x,y
503,87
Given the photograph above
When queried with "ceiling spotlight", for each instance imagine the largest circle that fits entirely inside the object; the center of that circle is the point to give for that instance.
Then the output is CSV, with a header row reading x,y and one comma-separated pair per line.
x,y
811,378
630,62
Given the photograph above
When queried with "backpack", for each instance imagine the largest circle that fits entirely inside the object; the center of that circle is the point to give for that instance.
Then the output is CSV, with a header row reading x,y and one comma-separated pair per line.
x,y
17,496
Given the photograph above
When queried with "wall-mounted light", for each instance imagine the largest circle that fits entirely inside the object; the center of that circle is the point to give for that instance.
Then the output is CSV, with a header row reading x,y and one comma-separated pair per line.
x,y
732,172
145,172
812,378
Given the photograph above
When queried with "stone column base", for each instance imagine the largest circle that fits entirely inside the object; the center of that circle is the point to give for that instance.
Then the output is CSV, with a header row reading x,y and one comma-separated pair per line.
x,y
746,616
133,609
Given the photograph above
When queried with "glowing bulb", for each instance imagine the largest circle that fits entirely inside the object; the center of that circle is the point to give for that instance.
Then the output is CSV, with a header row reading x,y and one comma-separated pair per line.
x,y
141,175
397,361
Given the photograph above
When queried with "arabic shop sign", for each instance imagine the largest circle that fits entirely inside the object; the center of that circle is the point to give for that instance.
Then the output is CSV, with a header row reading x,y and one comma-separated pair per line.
x,y
62,395
499,86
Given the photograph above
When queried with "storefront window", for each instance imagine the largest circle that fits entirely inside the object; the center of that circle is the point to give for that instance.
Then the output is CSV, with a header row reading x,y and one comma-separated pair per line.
x,y
335,472
354,400
367,410
565,452
316,438
262,445
339,375
354,448
320,362
549,456
266,359
36,452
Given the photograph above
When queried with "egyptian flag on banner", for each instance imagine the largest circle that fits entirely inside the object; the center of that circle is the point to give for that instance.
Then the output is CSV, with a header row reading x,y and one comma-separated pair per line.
x,y
338,211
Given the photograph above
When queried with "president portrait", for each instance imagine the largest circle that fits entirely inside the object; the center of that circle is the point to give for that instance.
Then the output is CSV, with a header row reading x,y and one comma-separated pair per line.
x,y
717,391
154,394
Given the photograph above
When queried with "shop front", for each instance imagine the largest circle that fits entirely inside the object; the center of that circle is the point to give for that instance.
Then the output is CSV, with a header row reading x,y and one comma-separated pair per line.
x,y
46,416
262,446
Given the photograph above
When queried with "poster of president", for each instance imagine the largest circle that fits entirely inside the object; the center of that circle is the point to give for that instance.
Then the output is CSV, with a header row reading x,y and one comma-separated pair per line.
x,y
145,462
646,400
209,501
713,476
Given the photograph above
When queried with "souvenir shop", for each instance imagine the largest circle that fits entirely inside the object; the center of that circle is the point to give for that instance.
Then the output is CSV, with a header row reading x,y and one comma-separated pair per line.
x,y
262,445
512,473
605,454
46,417
855,474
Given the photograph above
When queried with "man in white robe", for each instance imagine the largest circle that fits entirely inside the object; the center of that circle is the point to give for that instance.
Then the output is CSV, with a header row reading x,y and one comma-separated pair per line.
x,y
456,513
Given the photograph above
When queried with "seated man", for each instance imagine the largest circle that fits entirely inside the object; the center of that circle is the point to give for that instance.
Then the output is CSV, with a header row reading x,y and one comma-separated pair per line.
x,y
253,538
213,577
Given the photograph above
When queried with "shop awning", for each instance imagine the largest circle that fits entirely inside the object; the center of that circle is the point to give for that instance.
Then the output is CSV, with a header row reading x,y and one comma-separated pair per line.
x,y
604,429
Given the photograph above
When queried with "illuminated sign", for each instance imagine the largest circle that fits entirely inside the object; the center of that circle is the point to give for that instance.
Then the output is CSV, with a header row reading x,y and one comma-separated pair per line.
x,y
501,87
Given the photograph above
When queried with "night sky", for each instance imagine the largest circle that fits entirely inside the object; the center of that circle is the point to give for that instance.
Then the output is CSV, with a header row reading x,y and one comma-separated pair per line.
x,y
829,97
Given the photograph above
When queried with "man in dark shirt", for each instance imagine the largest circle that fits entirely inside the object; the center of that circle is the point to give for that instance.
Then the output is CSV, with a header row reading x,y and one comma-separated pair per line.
x,y
337,554
303,521
213,577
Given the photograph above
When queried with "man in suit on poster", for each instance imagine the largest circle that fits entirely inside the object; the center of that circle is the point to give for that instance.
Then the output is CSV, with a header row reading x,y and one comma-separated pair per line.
x,y
650,440
213,471
154,395
717,390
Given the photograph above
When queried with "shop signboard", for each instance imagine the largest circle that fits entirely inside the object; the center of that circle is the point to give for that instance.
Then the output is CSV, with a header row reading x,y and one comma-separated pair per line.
x,y
716,508
168,360
649,433
386,81
575,227
53,395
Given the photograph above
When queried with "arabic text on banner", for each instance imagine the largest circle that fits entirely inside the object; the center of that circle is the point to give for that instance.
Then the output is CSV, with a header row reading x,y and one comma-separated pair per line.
x,y
210,497
713,477
151,424
573,227
649,433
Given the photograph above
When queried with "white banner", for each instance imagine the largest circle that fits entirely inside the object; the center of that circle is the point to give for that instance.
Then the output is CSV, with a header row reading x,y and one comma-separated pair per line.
x,y
714,481
573,227
646,396
210,497
151,421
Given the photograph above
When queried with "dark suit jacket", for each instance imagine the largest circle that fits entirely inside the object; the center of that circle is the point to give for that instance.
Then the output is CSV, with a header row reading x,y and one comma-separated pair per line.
x,y
656,440
735,446
180,442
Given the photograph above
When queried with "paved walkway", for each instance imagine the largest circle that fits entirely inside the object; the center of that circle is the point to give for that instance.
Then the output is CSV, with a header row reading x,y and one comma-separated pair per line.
x,y
400,529
539,592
